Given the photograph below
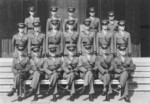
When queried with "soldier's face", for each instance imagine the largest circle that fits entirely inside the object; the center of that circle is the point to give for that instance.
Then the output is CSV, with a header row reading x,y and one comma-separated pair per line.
x,y
121,28
36,29
104,27
70,13
70,27
31,13
122,53
111,17
53,13
21,30
92,14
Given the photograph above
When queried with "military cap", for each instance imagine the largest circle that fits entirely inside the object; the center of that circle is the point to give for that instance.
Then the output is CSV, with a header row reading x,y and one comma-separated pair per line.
x,y
87,46
71,22
54,9
105,22
87,22
111,13
31,8
71,9
36,24
92,9
55,22
121,23
21,25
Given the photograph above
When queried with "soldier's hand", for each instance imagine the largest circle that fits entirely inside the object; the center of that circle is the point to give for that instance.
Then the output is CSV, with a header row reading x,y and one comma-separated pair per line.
x,y
18,67
114,54
129,54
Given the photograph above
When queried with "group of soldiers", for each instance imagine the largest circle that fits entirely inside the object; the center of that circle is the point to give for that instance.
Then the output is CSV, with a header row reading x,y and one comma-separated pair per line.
x,y
93,50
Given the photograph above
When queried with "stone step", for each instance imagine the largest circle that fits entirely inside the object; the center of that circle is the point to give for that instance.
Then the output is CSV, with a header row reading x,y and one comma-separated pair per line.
x,y
138,69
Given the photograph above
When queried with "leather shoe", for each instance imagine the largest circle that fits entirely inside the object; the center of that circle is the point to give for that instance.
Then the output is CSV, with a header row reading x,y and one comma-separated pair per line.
x,y
71,98
127,99
35,98
19,99
54,98
107,98
11,93
90,97
83,89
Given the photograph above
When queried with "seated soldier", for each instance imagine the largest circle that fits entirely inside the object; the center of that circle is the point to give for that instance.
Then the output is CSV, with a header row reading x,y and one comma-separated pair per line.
x,y
20,65
104,62
36,72
123,67
52,68
87,69
70,63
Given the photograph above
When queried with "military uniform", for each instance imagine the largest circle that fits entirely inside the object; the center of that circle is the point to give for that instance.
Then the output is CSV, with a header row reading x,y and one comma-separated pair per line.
x,y
20,64
113,24
87,69
70,10
54,39
36,74
53,70
104,37
95,22
49,23
30,20
86,40
122,38
36,42
70,38
105,64
123,67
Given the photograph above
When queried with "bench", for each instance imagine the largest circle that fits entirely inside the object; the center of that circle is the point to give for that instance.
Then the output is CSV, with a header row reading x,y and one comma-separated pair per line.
x,y
64,82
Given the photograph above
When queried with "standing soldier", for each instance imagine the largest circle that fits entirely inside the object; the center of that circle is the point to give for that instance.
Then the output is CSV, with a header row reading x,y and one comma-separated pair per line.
x,y
20,61
123,68
52,68
104,62
95,22
36,51
86,48
30,20
53,17
113,24
104,37
36,40
122,38
86,37
54,37
71,16
70,57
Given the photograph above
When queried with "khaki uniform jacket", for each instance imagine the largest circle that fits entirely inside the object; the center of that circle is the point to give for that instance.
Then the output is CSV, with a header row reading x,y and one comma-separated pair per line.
x,y
103,39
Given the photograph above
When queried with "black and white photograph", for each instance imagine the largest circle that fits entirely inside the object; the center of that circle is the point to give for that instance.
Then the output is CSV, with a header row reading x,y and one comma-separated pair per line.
x,y
74,51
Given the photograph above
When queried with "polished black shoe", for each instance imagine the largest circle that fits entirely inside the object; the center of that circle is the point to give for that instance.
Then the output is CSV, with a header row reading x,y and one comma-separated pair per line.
x,y
71,98
91,97
35,98
19,99
11,93
127,99
54,99
107,98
